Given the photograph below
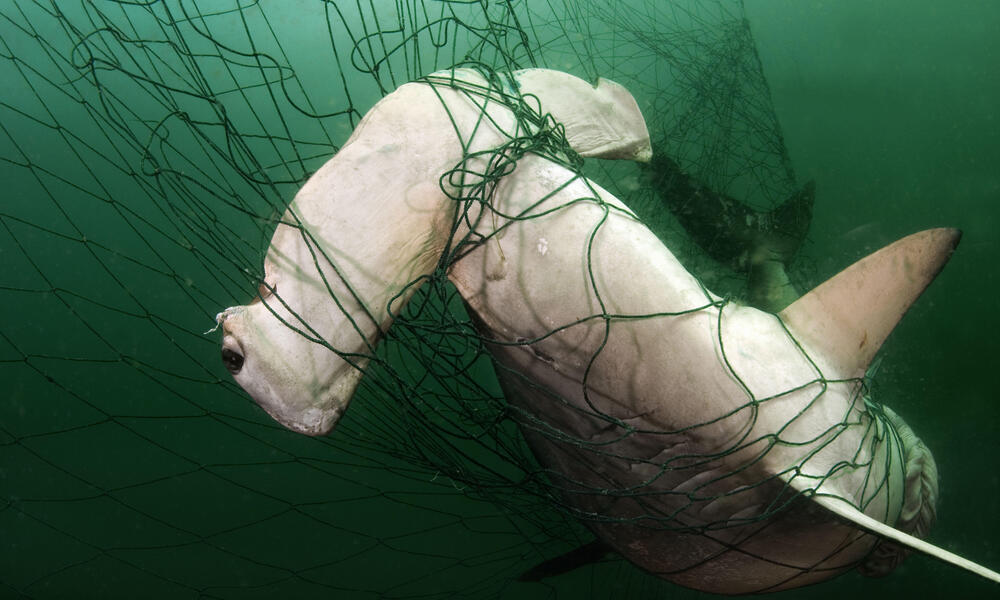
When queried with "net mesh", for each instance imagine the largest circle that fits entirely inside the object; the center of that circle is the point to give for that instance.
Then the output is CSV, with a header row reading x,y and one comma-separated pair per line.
x,y
150,150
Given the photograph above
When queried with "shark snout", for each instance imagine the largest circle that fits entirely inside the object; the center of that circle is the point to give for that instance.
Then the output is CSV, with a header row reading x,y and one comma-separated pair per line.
x,y
312,421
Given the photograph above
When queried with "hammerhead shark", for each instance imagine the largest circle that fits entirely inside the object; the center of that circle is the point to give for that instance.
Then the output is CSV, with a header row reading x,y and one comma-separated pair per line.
x,y
713,444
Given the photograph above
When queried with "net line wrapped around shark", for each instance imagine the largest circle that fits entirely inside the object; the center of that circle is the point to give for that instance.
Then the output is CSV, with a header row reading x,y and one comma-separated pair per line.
x,y
432,342
645,490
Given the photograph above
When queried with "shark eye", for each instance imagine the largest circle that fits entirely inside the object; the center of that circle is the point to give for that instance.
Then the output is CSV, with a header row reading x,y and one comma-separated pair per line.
x,y
233,360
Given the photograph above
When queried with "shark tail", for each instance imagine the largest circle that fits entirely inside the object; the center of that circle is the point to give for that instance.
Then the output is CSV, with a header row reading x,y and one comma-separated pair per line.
x,y
760,244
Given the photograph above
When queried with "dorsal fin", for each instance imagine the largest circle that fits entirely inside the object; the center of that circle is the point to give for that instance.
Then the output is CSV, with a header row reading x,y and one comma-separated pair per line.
x,y
846,511
601,121
849,316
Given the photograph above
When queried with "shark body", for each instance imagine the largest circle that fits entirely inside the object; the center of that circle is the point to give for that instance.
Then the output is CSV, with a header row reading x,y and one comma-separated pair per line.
x,y
713,444
698,429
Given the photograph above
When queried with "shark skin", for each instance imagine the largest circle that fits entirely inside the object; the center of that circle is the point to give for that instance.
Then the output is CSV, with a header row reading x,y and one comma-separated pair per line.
x,y
696,437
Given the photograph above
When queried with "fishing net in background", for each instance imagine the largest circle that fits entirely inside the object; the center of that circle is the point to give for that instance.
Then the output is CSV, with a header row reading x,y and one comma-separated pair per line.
x,y
149,150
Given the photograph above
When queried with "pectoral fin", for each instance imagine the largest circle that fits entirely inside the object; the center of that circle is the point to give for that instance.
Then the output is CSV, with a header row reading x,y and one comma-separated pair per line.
x,y
586,554
601,121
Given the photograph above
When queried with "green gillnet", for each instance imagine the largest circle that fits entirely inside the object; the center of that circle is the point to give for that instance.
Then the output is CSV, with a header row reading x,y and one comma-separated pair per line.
x,y
151,149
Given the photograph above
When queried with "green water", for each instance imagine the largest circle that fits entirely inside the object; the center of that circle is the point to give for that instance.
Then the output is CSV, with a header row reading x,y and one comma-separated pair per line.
x,y
893,112
130,464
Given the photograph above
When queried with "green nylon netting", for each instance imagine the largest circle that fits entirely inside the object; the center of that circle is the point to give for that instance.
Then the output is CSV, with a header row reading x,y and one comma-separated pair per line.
x,y
150,148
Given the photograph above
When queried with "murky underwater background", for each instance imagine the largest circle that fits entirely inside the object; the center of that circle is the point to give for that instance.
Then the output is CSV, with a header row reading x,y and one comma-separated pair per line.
x,y
131,464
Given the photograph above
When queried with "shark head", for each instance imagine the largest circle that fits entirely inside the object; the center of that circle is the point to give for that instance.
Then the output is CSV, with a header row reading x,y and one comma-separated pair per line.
x,y
289,371
300,347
